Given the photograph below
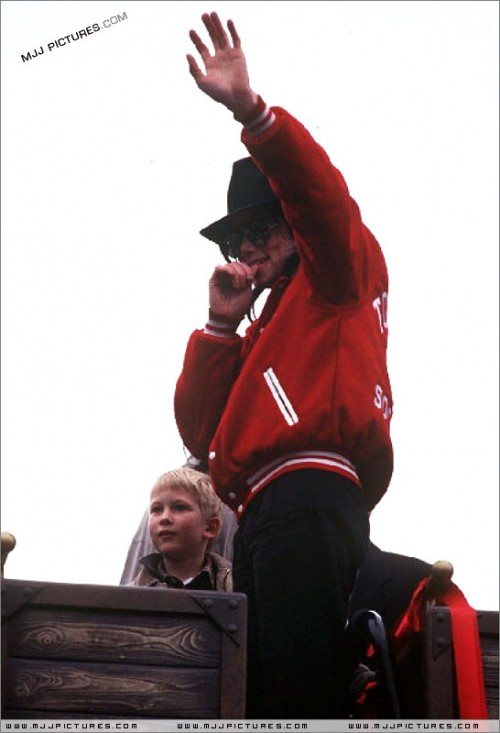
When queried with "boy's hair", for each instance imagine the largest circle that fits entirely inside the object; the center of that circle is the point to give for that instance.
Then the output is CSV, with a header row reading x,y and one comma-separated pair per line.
x,y
197,484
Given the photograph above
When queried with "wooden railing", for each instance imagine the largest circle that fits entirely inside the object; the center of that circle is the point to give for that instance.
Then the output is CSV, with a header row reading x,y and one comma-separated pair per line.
x,y
76,651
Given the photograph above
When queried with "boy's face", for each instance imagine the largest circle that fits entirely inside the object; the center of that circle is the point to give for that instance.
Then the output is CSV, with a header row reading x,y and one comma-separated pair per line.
x,y
177,527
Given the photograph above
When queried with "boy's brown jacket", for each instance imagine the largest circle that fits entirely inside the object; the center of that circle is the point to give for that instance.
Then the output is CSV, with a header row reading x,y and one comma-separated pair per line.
x,y
152,573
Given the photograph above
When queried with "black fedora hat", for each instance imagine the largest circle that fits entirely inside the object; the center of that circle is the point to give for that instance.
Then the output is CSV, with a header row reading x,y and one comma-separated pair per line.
x,y
248,189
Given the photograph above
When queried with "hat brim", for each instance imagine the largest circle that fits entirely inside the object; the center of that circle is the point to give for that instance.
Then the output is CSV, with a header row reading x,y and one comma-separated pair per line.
x,y
218,230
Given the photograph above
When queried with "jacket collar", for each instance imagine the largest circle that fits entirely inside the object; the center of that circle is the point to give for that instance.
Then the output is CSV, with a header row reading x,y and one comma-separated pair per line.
x,y
154,565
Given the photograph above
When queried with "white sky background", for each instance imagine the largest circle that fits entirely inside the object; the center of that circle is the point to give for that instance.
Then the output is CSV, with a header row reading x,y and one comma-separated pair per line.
x,y
112,161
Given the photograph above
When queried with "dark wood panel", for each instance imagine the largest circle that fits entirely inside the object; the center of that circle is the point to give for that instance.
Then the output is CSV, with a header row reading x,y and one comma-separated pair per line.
x,y
63,687
489,649
16,714
440,682
232,680
125,598
227,611
490,670
487,622
105,651
488,634
74,634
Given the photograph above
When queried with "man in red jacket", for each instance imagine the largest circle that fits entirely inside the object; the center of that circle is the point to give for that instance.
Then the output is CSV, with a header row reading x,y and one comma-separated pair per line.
x,y
293,417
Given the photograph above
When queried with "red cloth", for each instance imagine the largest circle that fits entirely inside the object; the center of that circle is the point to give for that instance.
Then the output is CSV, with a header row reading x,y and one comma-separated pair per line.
x,y
466,645
467,651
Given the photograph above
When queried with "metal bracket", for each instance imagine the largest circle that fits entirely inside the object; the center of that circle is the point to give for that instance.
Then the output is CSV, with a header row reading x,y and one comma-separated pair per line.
x,y
15,597
225,614
441,631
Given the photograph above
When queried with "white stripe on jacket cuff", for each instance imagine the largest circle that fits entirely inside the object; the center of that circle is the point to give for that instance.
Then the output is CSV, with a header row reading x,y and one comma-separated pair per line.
x,y
219,328
262,122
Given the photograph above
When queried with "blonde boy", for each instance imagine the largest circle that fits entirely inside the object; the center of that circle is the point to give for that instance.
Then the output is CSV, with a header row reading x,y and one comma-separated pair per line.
x,y
184,517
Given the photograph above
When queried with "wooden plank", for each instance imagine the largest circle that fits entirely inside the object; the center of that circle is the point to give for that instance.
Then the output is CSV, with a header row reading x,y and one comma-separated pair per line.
x,y
76,634
104,648
4,664
439,671
219,607
16,714
65,688
125,598
440,681
233,678
488,635
487,622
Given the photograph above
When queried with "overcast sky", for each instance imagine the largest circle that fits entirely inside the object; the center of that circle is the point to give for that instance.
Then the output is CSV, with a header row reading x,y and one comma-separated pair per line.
x,y
112,161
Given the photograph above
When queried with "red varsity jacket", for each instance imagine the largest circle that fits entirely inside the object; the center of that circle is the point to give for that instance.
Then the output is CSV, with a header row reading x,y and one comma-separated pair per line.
x,y
307,386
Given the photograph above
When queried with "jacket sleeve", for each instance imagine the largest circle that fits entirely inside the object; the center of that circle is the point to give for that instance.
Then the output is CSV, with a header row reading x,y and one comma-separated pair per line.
x,y
211,365
340,256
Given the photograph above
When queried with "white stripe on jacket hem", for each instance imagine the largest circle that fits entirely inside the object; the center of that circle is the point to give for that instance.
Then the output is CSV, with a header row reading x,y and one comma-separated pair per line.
x,y
320,459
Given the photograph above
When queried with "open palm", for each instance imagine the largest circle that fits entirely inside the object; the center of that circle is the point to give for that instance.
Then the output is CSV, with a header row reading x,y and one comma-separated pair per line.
x,y
226,77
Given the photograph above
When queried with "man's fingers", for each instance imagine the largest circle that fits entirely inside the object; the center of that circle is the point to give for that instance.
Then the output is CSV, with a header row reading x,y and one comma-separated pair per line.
x,y
194,69
218,36
200,46
219,31
234,34
233,276
242,272
215,30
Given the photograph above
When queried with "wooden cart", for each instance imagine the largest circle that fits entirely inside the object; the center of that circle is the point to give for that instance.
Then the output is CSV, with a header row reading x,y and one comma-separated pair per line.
x,y
76,651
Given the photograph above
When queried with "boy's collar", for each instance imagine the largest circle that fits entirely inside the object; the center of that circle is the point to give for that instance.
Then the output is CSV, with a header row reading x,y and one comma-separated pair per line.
x,y
154,563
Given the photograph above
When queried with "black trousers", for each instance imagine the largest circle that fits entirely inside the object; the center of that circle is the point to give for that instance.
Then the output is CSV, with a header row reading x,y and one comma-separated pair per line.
x,y
296,555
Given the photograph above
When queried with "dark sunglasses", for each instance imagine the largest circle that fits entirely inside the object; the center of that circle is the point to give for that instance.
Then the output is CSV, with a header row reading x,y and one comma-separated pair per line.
x,y
257,231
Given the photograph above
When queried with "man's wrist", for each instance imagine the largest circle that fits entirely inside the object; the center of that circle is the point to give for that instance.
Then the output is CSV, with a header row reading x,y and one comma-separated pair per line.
x,y
258,119
221,325
244,104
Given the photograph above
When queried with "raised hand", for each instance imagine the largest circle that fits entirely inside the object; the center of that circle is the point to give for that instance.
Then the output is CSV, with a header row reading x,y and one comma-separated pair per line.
x,y
230,289
226,77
